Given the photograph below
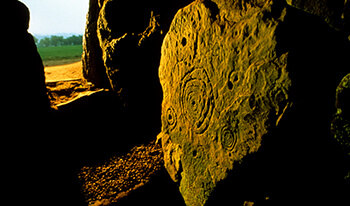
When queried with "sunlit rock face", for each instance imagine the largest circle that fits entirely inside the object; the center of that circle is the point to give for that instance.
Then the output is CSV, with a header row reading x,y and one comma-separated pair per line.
x,y
224,86
233,73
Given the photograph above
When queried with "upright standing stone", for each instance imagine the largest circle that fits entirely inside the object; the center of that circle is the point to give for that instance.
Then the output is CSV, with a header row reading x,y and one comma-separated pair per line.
x,y
93,67
235,72
224,86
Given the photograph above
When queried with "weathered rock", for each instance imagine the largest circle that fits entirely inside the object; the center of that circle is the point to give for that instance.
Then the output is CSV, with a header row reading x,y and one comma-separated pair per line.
x,y
150,20
119,41
235,72
130,36
224,85
93,67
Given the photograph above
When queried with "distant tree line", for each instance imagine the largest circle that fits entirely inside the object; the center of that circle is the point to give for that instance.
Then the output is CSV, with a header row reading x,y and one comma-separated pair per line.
x,y
59,41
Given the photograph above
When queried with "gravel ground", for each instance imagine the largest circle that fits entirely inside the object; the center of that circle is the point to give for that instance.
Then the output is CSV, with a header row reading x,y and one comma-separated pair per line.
x,y
116,178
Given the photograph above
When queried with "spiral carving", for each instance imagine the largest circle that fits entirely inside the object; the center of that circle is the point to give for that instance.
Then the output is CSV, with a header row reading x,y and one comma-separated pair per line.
x,y
171,118
227,138
197,100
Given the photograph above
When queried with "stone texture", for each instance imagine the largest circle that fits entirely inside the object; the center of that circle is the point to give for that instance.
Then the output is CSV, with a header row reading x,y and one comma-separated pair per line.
x,y
130,34
119,41
224,85
93,67
236,73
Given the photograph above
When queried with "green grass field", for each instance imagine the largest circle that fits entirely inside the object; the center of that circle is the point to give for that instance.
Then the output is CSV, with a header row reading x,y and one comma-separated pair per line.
x,y
53,56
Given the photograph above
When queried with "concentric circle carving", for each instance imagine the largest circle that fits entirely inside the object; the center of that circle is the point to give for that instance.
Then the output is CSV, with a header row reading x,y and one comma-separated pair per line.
x,y
171,117
227,138
197,100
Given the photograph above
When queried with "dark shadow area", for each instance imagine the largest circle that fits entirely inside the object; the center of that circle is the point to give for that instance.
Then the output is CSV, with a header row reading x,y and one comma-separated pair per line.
x,y
160,191
24,110
299,162
132,64
48,148
213,7
23,76
91,130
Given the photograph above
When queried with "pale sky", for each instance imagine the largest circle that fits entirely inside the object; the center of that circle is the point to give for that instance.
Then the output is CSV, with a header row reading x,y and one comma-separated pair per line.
x,y
48,17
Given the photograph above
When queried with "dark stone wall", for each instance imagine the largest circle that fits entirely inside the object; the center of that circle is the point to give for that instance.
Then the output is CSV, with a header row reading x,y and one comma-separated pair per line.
x,y
289,153
93,68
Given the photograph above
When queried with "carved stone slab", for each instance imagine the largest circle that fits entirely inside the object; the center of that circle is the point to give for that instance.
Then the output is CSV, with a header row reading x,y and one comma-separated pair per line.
x,y
224,86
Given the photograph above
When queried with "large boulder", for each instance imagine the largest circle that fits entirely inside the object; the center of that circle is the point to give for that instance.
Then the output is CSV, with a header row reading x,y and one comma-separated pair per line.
x,y
235,73
224,85
248,91
93,67
130,35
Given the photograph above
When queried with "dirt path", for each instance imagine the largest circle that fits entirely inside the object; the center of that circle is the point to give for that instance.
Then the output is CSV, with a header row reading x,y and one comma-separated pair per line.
x,y
62,72
66,83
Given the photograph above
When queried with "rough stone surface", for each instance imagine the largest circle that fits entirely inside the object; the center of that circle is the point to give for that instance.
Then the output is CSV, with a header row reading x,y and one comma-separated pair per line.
x,y
233,73
120,40
224,85
109,59
93,67
130,34
132,69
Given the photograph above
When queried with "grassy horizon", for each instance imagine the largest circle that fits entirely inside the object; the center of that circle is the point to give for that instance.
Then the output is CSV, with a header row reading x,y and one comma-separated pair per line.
x,y
53,56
